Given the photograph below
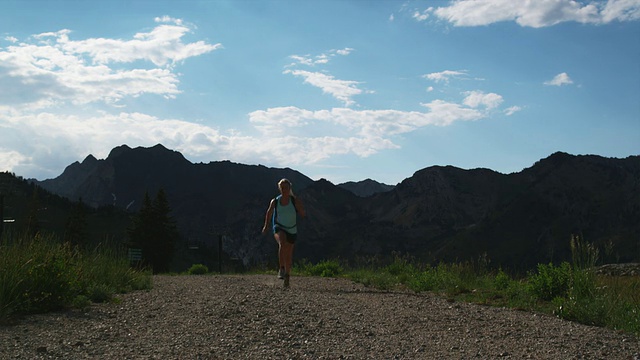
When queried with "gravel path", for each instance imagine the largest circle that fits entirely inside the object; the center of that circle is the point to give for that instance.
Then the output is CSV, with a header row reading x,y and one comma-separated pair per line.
x,y
253,317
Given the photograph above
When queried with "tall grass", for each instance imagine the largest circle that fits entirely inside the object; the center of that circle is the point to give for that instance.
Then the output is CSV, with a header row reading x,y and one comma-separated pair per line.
x,y
40,274
570,291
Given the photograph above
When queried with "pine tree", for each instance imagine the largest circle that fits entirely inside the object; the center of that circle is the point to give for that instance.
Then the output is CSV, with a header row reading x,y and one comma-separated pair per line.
x,y
154,231
140,231
32,225
167,235
75,230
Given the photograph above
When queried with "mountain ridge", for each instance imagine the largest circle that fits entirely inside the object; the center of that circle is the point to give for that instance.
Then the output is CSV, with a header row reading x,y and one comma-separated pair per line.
x,y
366,187
439,213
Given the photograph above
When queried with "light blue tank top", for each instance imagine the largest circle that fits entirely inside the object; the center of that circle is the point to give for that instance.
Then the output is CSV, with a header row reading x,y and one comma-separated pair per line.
x,y
285,216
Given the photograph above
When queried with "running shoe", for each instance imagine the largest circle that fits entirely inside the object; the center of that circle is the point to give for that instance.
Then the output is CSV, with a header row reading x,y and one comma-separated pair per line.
x,y
281,273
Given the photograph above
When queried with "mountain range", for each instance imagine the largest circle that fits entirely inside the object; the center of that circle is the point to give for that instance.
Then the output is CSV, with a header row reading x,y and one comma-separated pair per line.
x,y
441,213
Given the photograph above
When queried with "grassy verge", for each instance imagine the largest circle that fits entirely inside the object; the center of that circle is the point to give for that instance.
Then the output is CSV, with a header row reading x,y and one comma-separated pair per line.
x,y
40,274
569,291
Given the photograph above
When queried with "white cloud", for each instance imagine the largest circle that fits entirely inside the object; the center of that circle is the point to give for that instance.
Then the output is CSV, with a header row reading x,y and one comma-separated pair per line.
x,y
476,98
321,59
11,39
442,113
345,51
55,70
539,13
342,90
168,19
281,120
286,136
512,110
10,159
621,10
161,46
445,76
58,140
46,77
374,123
422,16
302,60
559,80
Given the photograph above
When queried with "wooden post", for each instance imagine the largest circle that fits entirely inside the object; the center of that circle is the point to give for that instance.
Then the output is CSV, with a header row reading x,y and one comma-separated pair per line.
x,y
1,215
220,253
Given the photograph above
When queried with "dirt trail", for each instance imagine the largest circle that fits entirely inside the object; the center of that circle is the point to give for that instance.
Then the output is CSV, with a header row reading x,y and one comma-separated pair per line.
x,y
253,317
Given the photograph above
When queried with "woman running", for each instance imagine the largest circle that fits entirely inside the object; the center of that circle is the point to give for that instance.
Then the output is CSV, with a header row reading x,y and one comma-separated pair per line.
x,y
282,214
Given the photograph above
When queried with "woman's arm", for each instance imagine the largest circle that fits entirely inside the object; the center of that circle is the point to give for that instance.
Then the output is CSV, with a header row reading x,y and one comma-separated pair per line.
x,y
267,217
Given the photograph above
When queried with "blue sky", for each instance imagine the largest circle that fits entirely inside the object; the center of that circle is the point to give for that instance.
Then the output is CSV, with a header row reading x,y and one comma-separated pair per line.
x,y
342,90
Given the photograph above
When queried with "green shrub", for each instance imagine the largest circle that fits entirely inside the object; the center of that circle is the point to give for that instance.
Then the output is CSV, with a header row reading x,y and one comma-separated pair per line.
x,y
198,269
424,281
441,278
39,274
402,269
100,293
375,279
551,281
502,281
328,268
590,311
81,302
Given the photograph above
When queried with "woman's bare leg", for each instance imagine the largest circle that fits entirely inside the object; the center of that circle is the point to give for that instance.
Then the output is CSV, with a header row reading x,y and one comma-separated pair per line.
x,y
287,259
280,237
288,263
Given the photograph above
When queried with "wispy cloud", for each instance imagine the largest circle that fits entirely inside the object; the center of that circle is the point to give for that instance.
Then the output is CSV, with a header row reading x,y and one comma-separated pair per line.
x,y
445,76
512,110
344,52
342,90
540,13
422,15
559,80
321,59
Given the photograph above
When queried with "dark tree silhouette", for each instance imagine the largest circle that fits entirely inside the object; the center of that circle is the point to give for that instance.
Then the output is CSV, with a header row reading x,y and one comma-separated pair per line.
x,y
75,231
154,231
32,224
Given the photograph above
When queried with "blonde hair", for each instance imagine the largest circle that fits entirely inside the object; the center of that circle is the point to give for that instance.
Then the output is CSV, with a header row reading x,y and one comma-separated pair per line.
x,y
283,181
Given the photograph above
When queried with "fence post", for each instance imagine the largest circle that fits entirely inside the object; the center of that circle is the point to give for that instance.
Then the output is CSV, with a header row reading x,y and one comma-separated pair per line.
x,y
220,253
1,215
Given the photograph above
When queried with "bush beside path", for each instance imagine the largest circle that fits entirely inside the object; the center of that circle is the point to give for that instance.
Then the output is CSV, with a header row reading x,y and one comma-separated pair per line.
x,y
253,317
